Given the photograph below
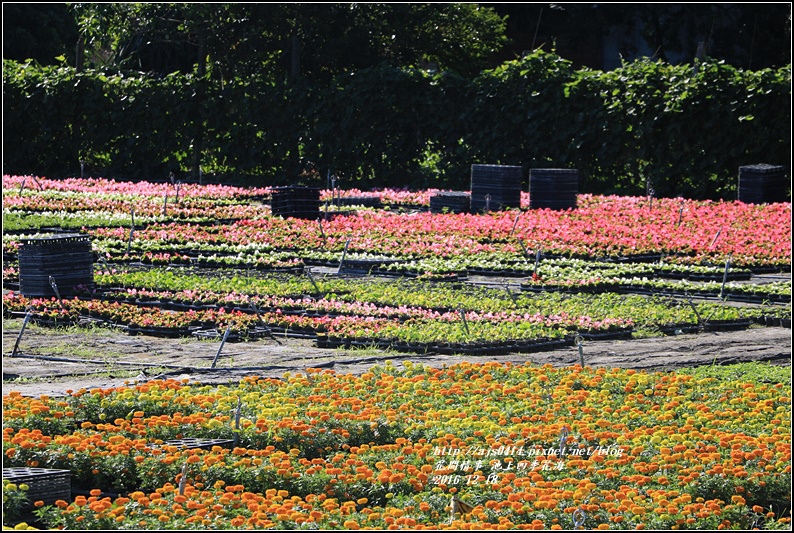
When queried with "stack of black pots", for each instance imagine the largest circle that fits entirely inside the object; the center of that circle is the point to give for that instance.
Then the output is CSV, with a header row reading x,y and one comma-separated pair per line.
x,y
761,184
450,202
495,187
296,202
67,259
553,188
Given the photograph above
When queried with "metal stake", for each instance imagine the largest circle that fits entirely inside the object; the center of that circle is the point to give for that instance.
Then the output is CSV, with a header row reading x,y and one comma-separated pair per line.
x,y
514,225
21,331
524,248
183,480
220,348
237,422
463,318
700,319
57,292
322,231
511,295
715,238
129,241
725,276
579,343
344,253
104,262
308,272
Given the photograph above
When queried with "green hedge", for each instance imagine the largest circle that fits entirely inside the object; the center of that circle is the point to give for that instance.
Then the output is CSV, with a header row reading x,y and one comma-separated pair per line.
x,y
678,129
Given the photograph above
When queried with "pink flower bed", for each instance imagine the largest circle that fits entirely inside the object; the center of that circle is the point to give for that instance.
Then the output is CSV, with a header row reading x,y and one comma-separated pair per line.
x,y
752,235
601,226
142,188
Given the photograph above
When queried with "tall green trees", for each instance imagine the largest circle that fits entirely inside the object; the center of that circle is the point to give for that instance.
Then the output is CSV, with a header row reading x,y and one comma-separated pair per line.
x,y
242,39
40,31
279,44
381,94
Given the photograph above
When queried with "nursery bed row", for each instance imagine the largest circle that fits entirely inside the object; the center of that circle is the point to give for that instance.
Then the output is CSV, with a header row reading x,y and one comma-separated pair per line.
x,y
377,314
525,446
610,227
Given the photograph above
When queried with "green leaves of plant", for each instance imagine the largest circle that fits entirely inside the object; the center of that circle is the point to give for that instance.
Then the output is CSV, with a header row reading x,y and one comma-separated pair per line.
x,y
686,132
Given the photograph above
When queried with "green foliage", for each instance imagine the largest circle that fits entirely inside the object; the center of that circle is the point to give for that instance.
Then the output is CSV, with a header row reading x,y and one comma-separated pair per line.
x,y
517,113
744,372
316,40
127,126
42,31
680,130
382,138
15,499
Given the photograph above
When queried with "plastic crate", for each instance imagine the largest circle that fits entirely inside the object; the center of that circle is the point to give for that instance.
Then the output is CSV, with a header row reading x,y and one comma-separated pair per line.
x,y
67,258
43,484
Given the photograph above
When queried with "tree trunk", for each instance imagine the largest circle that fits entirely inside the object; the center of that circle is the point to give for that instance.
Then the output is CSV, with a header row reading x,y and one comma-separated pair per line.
x,y
294,73
79,59
198,136
295,57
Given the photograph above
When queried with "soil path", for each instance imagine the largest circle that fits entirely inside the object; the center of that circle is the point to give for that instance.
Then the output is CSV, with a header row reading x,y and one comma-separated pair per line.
x,y
52,361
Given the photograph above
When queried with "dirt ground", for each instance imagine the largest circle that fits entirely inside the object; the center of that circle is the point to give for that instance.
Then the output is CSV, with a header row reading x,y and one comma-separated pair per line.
x,y
53,361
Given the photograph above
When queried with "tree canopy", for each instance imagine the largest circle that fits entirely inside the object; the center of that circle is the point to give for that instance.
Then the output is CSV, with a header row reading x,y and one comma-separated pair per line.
x,y
39,31
324,39
242,39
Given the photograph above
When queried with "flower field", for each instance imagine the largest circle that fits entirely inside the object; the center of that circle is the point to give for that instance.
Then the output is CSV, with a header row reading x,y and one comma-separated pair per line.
x,y
527,446
467,446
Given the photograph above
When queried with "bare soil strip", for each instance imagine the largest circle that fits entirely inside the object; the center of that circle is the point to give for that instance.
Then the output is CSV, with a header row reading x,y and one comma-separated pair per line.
x,y
53,361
